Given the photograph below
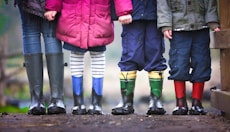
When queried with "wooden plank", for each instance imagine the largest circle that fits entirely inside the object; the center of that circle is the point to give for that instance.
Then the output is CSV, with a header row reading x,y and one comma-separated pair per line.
x,y
224,13
220,40
224,69
220,100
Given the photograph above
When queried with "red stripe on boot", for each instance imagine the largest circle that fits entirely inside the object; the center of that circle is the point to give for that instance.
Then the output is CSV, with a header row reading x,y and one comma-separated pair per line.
x,y
197,90
179,89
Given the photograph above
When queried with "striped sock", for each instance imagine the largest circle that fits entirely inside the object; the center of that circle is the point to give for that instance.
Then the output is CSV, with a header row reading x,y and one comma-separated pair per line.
x,y
77,64
97,64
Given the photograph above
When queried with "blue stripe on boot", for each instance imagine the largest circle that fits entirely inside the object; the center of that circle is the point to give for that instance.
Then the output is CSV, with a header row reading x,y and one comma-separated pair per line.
x,y
98,85
77,83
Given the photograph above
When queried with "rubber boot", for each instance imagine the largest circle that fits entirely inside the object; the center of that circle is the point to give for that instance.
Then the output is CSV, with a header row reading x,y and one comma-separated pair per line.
x,y
79,107
127,82
55,67
95,107
156,83
181,103
34,69
197,93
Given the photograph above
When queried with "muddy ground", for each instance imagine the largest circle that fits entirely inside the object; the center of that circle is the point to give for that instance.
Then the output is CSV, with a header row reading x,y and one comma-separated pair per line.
x,y
138,122
109,123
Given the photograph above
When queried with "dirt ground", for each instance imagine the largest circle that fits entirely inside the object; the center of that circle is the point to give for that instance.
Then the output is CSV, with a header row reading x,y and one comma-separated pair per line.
x,y
138,122
110,123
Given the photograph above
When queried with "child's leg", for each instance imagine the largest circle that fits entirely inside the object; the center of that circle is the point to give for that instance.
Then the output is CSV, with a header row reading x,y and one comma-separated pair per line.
x,y
181,103
98,70
180,65
127,85
197,93
77,68
156,83
155,65
201,72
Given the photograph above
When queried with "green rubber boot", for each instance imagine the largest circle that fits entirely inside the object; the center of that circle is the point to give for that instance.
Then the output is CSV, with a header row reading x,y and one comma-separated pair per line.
x,y
156,83
127,82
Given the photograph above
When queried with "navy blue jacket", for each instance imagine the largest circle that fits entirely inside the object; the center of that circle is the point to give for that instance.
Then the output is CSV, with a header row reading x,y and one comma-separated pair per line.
x,y
144,9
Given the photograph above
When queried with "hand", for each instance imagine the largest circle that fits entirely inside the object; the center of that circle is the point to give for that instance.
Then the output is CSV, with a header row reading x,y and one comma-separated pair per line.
x,y
168,34
50,15
126,19
217,29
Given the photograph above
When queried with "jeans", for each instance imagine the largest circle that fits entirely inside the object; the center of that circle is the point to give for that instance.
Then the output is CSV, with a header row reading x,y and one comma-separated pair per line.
x,y
32,28
189,56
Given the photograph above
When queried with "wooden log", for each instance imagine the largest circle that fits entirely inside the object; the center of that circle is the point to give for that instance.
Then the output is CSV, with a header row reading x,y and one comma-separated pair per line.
x,y
220,40
224,14
224,69
220,100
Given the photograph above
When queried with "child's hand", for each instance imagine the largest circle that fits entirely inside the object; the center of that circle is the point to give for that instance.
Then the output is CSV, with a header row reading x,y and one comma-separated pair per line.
x,y
168,34
126,19
50,15
217,29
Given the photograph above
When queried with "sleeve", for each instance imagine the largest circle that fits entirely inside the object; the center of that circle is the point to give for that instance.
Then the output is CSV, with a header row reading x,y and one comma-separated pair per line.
x,y
53,5
211,11
123,7
164,14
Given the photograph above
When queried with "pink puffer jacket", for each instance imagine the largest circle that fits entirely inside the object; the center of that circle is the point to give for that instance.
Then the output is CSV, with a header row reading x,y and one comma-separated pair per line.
x,y
87,23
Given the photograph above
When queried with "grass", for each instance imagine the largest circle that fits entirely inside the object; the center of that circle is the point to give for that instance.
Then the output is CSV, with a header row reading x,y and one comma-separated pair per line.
x,y
13,109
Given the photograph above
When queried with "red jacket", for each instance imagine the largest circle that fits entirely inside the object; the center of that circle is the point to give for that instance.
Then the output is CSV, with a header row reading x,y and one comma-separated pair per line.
x,y
87,23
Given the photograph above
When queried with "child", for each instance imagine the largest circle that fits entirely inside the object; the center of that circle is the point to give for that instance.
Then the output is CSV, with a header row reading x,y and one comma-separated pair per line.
x,y
185,23
143,49
33,25
86,25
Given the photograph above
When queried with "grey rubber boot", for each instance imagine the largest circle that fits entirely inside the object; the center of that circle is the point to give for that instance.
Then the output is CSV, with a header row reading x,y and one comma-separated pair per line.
x,y
34,70
55,66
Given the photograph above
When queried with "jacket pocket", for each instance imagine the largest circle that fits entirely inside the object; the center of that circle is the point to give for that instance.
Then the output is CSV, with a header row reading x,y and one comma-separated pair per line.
x,y
176,6
69,22
103,26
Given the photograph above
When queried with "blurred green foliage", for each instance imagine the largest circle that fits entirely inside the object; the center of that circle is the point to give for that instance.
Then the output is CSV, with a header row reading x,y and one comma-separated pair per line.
x,y
13,109
20,93
3,23
15,62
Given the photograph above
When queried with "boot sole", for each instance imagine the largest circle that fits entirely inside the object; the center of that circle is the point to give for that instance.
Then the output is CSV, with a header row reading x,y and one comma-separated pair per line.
x,y
56,110
121,111
37,111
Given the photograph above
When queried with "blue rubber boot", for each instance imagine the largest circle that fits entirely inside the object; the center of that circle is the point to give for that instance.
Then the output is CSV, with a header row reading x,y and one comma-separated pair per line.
x,y
95,107
79,107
